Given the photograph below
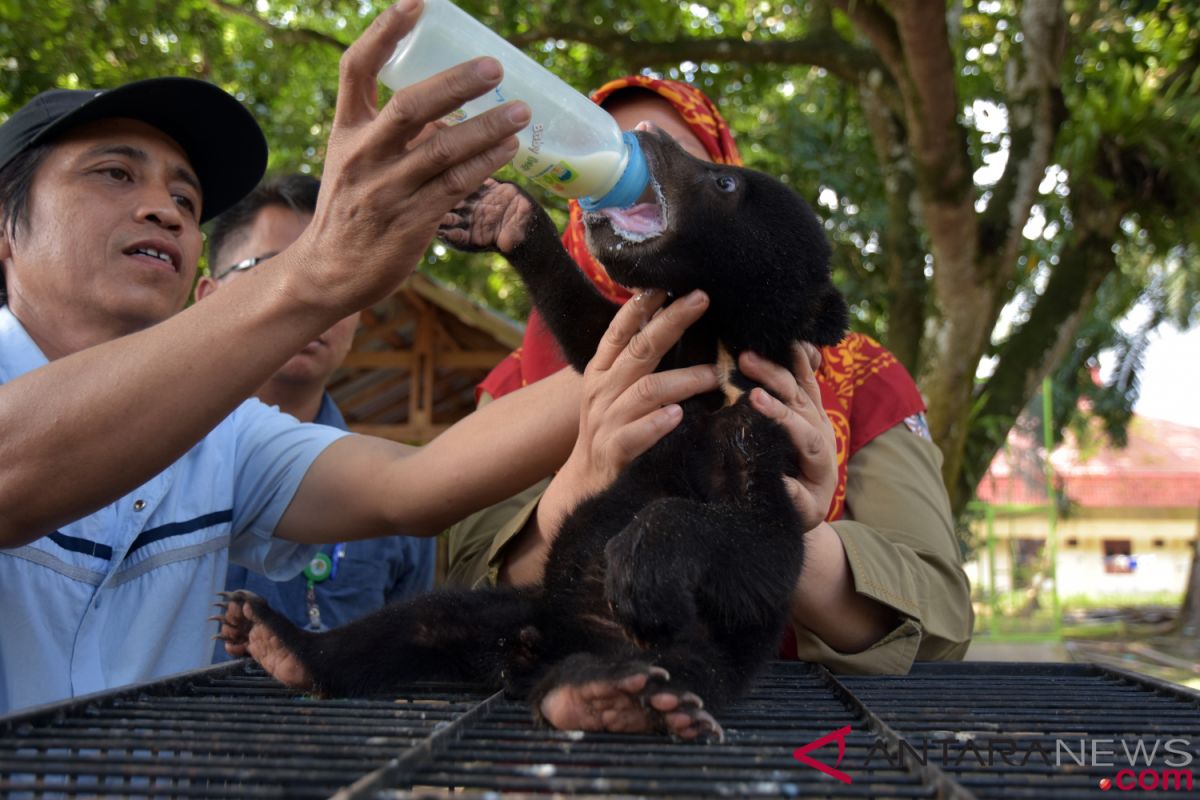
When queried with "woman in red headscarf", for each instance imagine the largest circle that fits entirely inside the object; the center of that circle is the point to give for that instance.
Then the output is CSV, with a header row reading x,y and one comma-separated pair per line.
x,y
882,583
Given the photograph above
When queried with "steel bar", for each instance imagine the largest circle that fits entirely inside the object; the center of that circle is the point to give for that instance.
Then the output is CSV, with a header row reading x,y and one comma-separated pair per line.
x,y
970,730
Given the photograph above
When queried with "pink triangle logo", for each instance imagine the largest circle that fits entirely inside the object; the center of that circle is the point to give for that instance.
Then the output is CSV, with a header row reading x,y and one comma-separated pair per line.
x,y
801,754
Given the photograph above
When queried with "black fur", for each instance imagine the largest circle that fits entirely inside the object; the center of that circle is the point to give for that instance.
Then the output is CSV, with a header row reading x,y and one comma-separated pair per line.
x,y
688,561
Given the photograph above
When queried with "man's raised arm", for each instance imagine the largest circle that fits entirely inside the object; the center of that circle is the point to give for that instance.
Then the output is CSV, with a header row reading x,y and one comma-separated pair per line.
x,y
94,423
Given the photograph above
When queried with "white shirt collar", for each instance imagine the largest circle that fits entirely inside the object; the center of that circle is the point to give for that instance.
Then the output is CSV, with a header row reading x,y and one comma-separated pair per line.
x,y
18,352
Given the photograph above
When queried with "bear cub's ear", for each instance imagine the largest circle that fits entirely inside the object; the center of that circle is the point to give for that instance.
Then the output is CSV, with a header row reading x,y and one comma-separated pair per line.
x,y
831,319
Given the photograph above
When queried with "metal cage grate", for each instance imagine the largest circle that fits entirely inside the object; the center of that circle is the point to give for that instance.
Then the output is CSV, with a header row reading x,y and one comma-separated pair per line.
x,y
945,730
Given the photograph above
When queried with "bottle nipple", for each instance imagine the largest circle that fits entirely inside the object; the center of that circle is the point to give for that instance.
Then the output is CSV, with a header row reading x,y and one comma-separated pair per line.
x,y
630,186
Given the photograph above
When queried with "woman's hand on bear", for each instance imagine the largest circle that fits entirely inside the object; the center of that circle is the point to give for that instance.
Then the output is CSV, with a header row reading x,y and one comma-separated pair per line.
x,y
799,410
627,406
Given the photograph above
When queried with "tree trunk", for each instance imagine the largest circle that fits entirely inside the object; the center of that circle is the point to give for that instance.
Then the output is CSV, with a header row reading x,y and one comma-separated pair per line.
x,y
908,288
1188,624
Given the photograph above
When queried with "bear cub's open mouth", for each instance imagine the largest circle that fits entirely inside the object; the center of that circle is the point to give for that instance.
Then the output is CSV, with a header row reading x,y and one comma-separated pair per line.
x,y
641,221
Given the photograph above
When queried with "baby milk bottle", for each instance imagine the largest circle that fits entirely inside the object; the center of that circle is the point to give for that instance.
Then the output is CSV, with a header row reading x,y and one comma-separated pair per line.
x,y
571,146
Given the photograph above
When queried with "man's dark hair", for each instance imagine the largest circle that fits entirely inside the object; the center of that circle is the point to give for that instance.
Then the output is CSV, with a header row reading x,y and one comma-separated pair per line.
x,y
16,179
295,191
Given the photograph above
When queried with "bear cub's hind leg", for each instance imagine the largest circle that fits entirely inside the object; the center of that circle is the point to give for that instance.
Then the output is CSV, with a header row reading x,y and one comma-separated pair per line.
x,y
620,695
249,627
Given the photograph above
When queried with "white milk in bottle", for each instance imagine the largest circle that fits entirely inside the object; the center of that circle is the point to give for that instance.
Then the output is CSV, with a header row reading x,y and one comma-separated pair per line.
x,y
571,146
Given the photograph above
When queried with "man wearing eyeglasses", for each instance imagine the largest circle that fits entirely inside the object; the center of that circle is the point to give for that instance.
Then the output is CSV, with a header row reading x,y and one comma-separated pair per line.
x,y
346,580
260,226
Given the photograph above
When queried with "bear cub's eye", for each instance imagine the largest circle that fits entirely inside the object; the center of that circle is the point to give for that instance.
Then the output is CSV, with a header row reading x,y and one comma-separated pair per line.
x,y
726,183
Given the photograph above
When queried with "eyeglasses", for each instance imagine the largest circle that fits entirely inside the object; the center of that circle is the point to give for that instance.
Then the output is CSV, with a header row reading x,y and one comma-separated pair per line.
x,y
245,264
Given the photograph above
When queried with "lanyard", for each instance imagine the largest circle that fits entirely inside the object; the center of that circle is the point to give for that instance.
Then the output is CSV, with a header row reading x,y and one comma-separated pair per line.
x,y
319,570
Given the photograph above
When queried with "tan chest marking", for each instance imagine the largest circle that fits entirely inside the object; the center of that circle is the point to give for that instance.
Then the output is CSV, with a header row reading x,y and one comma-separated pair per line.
x,y
725,371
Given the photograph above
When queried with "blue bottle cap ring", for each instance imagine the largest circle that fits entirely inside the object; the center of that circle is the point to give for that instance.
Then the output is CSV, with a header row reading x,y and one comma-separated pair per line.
x,y
629,186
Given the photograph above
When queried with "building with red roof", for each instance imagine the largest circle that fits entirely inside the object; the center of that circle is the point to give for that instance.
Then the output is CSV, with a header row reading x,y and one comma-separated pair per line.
x,y
1127,518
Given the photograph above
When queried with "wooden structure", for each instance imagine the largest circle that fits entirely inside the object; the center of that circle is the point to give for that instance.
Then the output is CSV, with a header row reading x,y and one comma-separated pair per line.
x,y
416,360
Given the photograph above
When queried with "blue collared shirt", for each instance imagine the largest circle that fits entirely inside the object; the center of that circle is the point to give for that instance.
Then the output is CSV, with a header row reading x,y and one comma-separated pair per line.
x,y
123,594
370,573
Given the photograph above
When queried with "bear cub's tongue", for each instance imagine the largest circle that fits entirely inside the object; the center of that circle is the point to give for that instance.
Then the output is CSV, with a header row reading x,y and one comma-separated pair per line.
x,y
636,223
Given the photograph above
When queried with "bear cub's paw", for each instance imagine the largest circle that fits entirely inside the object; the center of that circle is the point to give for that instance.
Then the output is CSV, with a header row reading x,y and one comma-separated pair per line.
x,y
495,217
249,626
588,693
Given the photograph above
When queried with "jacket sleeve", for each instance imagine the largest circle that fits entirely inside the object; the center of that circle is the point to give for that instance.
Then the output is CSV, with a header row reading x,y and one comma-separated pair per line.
x,y
476,545
899,538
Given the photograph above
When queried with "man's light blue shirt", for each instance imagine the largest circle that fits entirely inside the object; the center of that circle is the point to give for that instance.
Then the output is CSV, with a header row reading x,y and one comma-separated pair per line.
x,y
370,573
124,594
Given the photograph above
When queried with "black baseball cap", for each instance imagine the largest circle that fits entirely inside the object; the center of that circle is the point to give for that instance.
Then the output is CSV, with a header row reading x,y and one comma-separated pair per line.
x,y
222,141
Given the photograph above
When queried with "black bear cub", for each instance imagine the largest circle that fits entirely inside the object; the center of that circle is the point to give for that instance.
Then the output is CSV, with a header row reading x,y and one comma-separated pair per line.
x,y
670,589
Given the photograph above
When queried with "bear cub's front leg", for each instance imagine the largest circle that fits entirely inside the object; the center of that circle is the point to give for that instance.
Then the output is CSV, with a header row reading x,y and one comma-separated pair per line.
x,y
502,217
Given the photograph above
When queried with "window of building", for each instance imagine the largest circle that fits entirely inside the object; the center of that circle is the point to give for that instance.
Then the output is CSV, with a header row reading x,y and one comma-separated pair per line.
x,y
1029,551
1118,556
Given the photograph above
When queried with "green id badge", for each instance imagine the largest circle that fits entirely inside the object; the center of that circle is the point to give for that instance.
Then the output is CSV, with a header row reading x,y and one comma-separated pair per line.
x,y
319,568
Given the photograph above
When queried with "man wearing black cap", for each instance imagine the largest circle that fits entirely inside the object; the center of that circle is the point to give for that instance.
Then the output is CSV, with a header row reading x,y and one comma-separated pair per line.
x,y
92,147
132,468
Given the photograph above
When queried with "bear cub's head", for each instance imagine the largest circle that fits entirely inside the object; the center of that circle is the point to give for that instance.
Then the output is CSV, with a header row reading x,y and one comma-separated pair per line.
x,y
743,237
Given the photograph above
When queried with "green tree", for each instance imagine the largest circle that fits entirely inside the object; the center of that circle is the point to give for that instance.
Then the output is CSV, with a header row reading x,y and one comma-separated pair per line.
x,y
1002,180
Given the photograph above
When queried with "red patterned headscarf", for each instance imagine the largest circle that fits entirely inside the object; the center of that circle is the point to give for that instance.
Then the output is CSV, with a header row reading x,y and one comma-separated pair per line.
x,y
864,389
704,120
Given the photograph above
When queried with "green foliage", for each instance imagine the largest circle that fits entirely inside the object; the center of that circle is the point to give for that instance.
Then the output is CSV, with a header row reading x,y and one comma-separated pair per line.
x,y
280,59
1134,100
